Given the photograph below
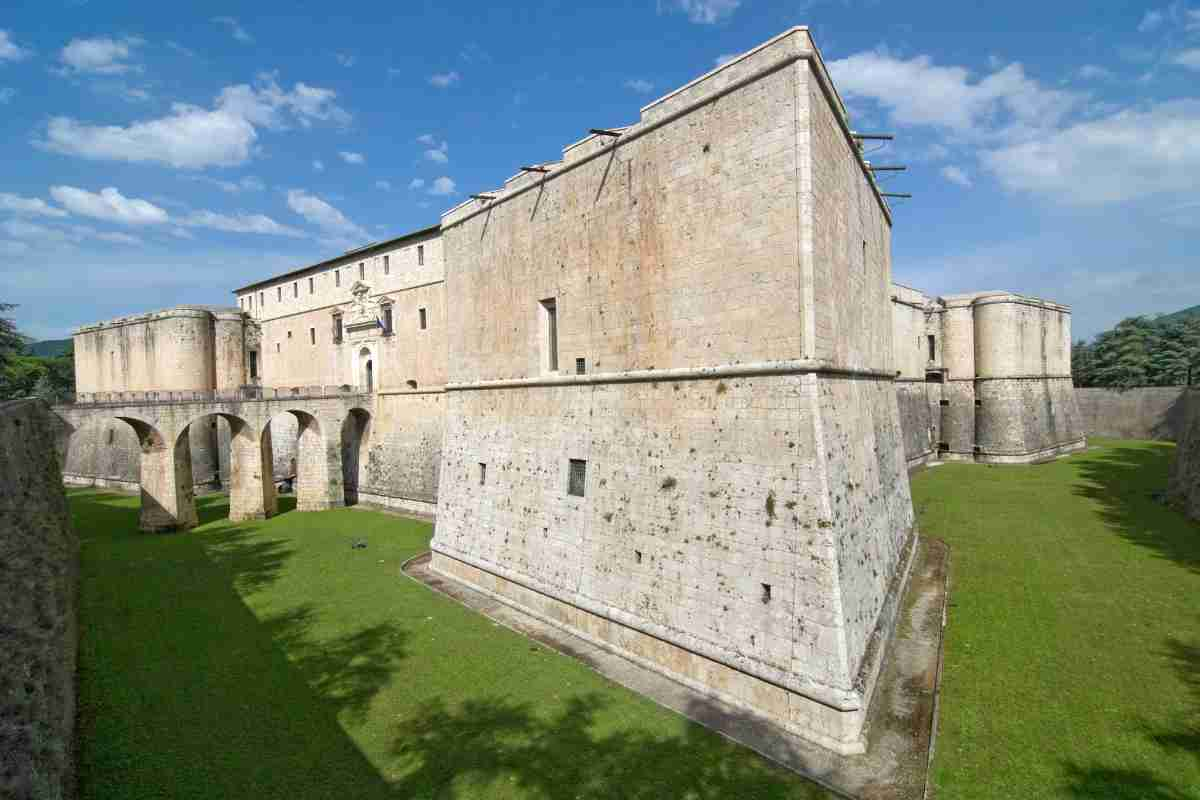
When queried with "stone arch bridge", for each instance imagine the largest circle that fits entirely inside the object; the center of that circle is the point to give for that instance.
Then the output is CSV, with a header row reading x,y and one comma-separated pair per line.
x,y
334,425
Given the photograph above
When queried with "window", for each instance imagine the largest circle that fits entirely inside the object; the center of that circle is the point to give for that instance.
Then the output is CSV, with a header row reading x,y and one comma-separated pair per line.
x,y
289,334
312,335
362,270
932,341
337,278
550,334
278,293
387,320
577,477
766,592
580,366
420,255
482,473
110,436
864,255
310,285
253,364
295,288
337,328
262,299
387,267
277,347
421,313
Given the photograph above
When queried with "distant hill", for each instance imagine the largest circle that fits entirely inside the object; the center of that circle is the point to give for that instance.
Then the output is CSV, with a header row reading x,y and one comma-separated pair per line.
x,y
1178,316
50,348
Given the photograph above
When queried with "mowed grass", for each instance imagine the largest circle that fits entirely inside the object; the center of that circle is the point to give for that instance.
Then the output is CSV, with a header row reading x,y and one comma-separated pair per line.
x,y
273,660
1072,656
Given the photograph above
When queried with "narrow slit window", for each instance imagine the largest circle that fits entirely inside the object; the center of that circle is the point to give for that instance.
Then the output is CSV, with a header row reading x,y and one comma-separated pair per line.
x,y
337,277
387,320
420,255
387,266
362,270
310,285
253,364
295,289
482,473
577,477
262,299
312,335
766,592
550,334
424,321
932,342
279,294
337,328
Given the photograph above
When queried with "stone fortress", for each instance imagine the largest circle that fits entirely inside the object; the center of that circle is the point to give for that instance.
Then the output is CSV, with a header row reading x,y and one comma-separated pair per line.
x,y
661,393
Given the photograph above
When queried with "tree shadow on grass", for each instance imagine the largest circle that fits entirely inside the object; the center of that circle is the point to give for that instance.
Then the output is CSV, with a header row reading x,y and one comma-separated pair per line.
x,y
1124,481
569,754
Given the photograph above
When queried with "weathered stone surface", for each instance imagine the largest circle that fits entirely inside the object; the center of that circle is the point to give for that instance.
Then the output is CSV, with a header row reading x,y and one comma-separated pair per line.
x,y
39,563
1184,487
1144,412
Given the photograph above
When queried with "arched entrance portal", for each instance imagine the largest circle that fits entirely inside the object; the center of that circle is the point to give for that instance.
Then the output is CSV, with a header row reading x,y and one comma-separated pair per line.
x,y
367,379
356,432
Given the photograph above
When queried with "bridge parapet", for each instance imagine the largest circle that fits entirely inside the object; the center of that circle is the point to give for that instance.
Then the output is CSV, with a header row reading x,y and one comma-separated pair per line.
x,y
240,394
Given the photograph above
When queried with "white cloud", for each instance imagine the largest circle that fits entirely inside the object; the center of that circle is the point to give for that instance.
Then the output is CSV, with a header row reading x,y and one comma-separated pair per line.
x,y
100,56
438,154
318,165
956,175
116,237
1126,155
345,59
7,94
191,137
444,80
416,183
109,205
1188,58
639,85
33,206
1091,72
178,48
323,215
238,223
352,158
20,229
1177,15
1151,21
427,138
725,58
235,29
442,186
10,50
707,12
384,185
246,184
918,92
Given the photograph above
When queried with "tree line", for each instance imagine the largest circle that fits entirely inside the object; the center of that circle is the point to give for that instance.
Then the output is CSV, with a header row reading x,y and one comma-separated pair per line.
x,y
25,375
1140,351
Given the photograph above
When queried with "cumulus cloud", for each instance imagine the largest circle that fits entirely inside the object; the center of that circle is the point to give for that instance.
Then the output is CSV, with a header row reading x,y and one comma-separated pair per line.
x,y
1122,156
246,184
442,186
31,206
416,183
1187,58
1092,72
323,215
705,12
352,158
10,50
956,175
427,138
116,237
639,85
318,165
438,154
100,56
238,223
192,137
1176,14
444,80
109,205
1151,21
916,91
235,29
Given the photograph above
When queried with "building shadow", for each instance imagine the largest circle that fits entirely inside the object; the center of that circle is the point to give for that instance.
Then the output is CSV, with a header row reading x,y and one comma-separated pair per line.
x,y
576,753
1128,485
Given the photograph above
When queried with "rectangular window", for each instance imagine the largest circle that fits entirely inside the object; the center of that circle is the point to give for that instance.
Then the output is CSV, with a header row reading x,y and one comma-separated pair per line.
x,y
387,320
482,473
362,270
420,255
278,293
577,477
337,278
289,334
312,335
387,267
580,366
421,312
932,347
295,288
310,285
277,347
262,299
337,328
253,364
550,334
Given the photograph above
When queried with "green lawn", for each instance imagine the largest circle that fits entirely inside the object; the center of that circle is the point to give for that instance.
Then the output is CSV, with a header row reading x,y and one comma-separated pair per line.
x,y
270,659
1072,658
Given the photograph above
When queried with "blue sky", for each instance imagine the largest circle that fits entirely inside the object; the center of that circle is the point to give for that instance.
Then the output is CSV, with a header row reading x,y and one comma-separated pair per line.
x,y
166,153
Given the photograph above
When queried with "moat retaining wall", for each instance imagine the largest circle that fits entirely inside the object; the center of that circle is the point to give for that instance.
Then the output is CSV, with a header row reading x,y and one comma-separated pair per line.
x,y
39,567
1184,486
1144,412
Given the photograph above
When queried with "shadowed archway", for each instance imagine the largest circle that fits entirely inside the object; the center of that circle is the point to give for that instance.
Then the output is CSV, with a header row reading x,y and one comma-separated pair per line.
x,y
317,485
168,498
356,434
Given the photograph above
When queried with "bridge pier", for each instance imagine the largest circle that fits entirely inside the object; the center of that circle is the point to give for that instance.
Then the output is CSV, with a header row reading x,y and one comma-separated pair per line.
x,y
168,499
319,484
251,482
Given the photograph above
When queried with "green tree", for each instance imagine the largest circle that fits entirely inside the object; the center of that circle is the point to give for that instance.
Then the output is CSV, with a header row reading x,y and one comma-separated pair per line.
x,y
1083,363
11,341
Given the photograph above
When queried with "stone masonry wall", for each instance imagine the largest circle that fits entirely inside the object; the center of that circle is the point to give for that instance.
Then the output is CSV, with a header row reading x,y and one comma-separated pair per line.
x,y
1145,412
39,563
1184,487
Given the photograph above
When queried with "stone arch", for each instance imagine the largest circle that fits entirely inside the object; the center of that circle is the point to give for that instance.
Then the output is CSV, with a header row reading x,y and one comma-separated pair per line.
x,y
251,491
365,367
318,475
165,478
355,444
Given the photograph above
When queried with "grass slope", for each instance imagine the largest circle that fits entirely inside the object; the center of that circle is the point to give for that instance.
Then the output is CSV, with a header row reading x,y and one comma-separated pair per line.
x,y
270,659
1072,657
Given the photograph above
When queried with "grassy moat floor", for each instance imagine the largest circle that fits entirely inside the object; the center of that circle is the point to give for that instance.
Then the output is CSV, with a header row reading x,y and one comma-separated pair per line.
x,y
271,659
